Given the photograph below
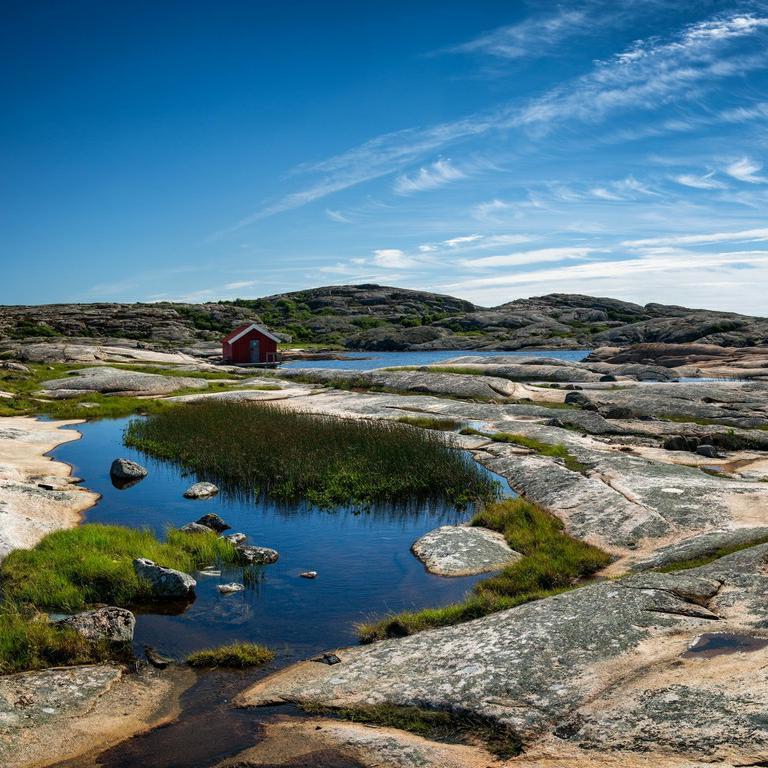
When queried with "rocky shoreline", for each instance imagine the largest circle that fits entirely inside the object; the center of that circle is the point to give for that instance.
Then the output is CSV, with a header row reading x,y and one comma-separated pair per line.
x,y
656,471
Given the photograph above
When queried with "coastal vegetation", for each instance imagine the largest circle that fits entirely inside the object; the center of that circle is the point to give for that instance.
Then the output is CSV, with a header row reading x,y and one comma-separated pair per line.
x,y
553,562
431,422
259,449
29,641
70,570
24,398
553,450
234,655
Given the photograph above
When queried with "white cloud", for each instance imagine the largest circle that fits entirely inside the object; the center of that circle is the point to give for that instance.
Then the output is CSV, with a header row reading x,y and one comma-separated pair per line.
x,y
392,258
495,211
337,216
530,37
699,182
743,236
454,241
240,284
530,257
605,194
440,173
746,170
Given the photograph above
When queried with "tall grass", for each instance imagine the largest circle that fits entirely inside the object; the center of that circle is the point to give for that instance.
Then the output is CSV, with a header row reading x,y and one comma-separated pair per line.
x,y
28,641
260,449
553,562
431,422
70,570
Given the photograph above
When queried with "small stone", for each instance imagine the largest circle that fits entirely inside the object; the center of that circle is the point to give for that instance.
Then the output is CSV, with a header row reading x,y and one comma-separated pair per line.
x,y
235,538
196,528
228,589
125,469
201,491
257,555
708,451
214,522
328,658
308,575
155,659
166,582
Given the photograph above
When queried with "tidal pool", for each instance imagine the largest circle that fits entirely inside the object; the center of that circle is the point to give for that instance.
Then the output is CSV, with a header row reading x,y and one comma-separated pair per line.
x,y
363,559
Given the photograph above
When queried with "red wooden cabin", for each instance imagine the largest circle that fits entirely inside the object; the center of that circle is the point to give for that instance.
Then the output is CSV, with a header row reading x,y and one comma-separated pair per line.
x,y
250,343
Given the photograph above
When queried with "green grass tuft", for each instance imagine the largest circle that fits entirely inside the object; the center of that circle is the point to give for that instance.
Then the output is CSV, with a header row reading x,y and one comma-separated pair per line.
x,y
239,655
431,422
72,569
553,562
556,451
695,562
258,449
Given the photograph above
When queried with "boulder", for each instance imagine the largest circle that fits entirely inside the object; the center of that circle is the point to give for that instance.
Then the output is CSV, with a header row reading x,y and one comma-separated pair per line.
x,y
196,528
681,443
235,538
127,470
214,522
201,491
460,550
165,582
251,555
708,451
108,623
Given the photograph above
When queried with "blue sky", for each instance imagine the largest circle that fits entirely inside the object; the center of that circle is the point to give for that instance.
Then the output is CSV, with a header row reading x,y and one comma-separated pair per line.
x,y
492,150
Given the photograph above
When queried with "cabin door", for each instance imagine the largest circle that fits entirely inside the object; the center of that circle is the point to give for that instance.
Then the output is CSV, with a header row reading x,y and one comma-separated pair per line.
x,y
255,351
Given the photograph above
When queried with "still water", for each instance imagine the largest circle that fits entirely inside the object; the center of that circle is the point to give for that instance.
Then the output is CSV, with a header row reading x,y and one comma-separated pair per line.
x,y
365,361
363,559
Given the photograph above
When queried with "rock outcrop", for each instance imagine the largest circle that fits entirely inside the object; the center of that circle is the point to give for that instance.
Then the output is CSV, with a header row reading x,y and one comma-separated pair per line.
x,y
165,582
117,381
460,550
603,668
108,623
380,318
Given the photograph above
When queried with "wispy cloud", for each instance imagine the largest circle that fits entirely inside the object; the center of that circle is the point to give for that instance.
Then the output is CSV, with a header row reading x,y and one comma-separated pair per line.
x,y
240,284
530,37
746,170
538,256
743,236
440,173
649,75
337,216
699,182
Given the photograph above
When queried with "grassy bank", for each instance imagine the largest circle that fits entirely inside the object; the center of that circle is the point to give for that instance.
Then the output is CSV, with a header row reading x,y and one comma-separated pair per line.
x,y
553,561
28,641
261,449
431,422
22,386
72,569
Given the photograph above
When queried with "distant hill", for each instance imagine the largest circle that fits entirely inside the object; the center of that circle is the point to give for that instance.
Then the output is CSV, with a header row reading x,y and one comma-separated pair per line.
x,y
386,318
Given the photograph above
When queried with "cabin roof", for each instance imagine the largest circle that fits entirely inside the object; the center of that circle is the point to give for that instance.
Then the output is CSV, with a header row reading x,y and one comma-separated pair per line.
x,y
242,330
